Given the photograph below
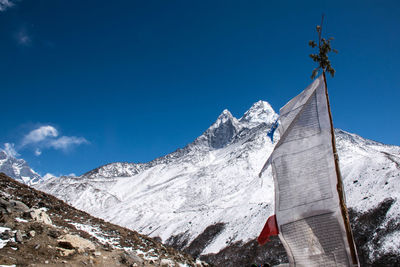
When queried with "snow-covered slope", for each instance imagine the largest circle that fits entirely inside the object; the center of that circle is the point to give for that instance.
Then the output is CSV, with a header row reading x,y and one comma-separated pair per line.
x,y
213,182
18,169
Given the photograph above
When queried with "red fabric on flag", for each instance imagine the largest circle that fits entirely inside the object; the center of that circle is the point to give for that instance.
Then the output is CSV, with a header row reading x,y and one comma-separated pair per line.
x,y
270,229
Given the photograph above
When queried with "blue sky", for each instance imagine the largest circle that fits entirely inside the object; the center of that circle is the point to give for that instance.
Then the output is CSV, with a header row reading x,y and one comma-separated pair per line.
x,y
85,83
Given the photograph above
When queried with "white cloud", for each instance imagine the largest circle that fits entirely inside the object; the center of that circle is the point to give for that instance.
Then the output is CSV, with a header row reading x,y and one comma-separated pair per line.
x,y
64,142
39,135
4,4
46,137
38,152
9,149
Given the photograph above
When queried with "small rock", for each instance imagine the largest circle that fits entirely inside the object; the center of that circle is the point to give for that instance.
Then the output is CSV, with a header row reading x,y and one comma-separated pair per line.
x,y
6,234
66,252
54,233
47,262
97,253
18,237
32,233
107,247
12,244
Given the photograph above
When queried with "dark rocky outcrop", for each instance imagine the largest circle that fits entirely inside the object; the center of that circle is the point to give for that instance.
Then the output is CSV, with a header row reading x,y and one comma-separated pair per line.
x,y
245,254
204,239
369,232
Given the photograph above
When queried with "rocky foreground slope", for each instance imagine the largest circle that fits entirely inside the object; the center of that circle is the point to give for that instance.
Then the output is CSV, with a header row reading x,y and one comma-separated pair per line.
x,y
38,229
206,198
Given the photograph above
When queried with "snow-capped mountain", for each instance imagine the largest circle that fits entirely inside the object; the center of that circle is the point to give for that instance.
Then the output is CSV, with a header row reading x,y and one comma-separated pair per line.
x,y
207,197
18,169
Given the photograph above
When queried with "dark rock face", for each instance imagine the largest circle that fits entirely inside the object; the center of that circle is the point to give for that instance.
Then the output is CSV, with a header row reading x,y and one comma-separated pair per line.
x,y
178,241
181,241
3,155
246,254
204,239
222,135
369,233
237,254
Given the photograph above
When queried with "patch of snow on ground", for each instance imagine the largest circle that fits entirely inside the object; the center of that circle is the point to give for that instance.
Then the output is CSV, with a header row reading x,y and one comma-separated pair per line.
x,y
145,255
21,220
391,243
4,242
97,233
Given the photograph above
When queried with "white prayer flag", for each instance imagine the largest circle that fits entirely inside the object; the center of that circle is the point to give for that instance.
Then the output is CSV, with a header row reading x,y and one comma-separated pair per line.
x,y
308,204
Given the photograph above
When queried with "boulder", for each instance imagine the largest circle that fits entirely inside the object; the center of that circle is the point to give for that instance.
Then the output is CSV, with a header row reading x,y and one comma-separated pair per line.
x,y
39,216
74,241
18,237
8,206
167,263
19,206
130,258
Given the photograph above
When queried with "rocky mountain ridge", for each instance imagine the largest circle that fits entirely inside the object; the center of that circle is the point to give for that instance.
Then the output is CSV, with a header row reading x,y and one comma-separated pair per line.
x,y
222,132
